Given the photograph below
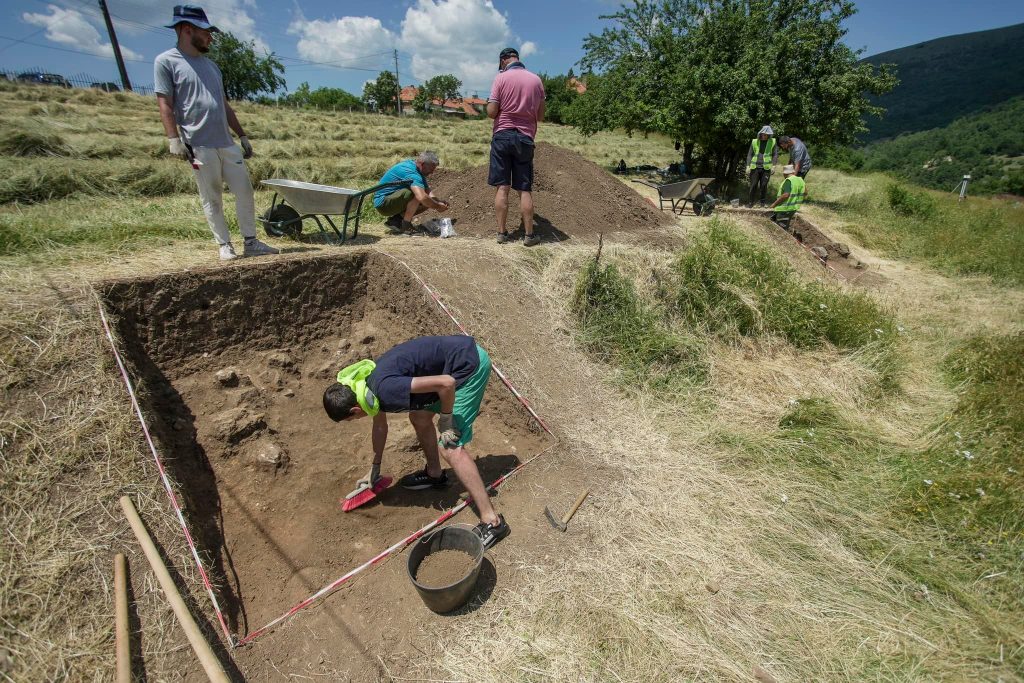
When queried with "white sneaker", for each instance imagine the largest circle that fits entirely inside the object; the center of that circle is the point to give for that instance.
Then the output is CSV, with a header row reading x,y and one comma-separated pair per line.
x,y
253,247
227,252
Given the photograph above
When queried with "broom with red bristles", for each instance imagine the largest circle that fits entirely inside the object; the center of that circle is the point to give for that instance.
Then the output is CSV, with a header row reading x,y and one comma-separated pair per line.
x,y
366,489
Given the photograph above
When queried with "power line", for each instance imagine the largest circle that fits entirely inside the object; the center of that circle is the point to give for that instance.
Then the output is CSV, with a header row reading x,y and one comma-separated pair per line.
x,y
65,49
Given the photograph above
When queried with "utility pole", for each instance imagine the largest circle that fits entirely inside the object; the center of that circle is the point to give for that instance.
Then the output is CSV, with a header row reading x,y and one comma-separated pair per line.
x,y
398,82
125,83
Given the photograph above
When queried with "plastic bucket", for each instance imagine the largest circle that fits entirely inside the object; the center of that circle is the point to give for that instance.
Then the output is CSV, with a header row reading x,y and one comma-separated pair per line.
x,y
443,599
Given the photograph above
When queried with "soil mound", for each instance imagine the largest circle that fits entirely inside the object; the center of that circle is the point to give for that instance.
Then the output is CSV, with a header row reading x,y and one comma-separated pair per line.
x,y
573,197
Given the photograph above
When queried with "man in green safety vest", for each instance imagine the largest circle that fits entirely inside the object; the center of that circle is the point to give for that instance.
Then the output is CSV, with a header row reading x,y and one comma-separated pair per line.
x,y
792,194
762,155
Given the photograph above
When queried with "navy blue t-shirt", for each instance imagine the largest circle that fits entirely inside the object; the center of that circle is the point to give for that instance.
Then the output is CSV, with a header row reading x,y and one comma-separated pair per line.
x,y
391,380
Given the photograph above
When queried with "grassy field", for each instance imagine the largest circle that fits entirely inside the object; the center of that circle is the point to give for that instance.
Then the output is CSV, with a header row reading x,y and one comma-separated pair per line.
x,y
815,479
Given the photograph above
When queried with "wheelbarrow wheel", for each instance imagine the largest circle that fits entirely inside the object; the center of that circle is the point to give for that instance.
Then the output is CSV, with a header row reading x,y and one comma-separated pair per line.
x,y
702,205
282,221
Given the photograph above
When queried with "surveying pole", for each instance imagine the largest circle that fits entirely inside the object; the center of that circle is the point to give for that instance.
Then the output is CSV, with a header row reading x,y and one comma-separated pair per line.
x,y
398,84
125,83
963,188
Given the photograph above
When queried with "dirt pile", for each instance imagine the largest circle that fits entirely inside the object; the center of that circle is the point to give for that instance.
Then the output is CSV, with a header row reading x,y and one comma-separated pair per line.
x,y
573,197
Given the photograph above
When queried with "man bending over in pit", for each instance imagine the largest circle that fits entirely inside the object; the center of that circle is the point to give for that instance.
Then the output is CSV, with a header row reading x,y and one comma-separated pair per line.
x,y
423,376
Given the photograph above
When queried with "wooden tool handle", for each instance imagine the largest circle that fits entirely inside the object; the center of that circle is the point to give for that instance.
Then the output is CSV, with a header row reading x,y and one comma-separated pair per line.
x,y
121,633
207,658
574,508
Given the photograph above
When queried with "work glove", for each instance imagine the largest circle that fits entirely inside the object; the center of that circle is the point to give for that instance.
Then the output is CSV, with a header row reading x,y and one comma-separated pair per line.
x,y
177,147
246,147
372,476
450,434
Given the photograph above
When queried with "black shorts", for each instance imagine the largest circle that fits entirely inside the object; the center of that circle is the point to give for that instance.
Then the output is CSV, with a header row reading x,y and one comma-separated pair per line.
x,y
511,160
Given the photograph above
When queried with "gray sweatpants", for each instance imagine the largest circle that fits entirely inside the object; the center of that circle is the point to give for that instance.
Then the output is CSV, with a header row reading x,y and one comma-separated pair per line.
x,y
225,165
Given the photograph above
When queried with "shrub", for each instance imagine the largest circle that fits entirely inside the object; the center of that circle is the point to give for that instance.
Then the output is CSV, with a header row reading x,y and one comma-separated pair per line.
x,y
904,202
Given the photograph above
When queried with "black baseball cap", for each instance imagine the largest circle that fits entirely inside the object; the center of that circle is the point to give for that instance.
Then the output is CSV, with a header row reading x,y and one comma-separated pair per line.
x,y
190,14
509,52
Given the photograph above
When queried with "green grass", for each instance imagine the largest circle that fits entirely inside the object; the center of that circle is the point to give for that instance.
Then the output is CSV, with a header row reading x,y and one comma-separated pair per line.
x,y
722,287
980,236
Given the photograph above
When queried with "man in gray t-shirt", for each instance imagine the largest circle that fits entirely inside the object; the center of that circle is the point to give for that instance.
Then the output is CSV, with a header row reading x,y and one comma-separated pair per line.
x,y
798,155
197,119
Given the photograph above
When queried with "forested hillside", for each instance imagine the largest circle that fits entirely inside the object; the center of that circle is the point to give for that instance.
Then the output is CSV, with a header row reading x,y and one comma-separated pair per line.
x,y
988,145
947,78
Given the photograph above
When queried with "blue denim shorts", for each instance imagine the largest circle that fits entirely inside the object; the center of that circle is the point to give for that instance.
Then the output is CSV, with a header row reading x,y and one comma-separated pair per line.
x,y
511,160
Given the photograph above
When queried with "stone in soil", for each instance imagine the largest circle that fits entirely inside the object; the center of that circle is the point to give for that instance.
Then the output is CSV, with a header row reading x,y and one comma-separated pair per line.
x,y
443,568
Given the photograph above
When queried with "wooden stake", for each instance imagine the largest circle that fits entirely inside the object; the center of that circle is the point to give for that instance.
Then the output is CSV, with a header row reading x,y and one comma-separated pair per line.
x,y
207,658
121,633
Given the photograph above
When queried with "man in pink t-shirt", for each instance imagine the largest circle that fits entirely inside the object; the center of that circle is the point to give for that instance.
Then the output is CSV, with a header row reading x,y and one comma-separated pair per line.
x,y
516,104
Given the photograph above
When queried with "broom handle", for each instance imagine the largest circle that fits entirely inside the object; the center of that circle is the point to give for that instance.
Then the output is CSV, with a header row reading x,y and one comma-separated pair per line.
x,y
572,511
207,658
121,633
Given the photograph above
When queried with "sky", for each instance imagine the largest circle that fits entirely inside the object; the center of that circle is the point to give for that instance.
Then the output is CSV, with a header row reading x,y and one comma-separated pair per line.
x,y
344,43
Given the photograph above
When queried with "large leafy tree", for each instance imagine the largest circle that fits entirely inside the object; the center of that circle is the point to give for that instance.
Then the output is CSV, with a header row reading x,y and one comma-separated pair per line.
x,y
382,93
441,87
712,72
246,74
559,94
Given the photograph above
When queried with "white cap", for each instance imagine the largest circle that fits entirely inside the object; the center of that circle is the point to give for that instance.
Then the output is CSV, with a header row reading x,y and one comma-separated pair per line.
x,y
788,169
766,130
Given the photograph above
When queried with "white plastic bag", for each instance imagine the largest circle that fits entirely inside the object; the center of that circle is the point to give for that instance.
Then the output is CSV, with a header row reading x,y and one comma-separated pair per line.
x,y
447,229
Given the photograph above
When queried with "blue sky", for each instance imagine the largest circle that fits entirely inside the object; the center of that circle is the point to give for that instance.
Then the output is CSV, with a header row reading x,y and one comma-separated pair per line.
x,y
431,36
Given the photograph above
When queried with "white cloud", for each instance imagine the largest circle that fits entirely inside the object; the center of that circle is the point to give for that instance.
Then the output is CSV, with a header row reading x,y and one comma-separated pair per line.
x,y
69,27
528,48
340,40
456,36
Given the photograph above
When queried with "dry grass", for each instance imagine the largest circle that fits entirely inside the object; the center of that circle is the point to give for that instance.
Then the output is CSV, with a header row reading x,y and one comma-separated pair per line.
x,y
687,562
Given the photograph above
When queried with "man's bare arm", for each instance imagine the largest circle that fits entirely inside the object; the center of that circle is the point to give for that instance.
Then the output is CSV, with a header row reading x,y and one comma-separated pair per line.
x,y
493,110
442,385
233,123
166,105
428,201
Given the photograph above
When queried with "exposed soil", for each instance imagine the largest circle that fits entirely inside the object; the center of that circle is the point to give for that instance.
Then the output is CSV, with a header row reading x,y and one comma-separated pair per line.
x,y
233,394
573,198
444,568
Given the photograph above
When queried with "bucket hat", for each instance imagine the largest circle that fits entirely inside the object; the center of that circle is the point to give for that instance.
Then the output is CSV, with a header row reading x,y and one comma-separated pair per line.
x,y
191,14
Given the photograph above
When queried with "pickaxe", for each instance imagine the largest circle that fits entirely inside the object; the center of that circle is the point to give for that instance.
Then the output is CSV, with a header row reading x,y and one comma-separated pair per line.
x,y
561,525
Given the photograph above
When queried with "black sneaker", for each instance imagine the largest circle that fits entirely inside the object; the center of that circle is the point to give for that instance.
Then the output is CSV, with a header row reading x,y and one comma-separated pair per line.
x,y
492,534
531,240
503,237
394,223
417,481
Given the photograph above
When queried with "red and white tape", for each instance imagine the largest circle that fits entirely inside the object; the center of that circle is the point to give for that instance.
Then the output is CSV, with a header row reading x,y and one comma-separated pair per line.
x,y
165,480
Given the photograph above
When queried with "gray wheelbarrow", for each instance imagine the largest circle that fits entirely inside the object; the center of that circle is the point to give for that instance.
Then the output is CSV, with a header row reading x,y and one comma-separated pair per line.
x,y
300,201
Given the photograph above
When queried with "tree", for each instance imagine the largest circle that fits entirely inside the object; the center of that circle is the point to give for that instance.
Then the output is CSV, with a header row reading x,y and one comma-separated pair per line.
x,y
439,88
324,98
559,96
711,72
382,93
245,73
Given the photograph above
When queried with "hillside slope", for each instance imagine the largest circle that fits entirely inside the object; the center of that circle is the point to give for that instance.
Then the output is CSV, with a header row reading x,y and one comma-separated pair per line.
x,y
945,78
987,145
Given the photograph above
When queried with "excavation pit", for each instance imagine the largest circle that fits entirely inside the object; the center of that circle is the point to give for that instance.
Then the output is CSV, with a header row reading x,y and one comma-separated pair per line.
x,y
231,365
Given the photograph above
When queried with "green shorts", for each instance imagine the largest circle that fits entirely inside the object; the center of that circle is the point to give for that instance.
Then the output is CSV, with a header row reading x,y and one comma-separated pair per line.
x,y
395,202
468,398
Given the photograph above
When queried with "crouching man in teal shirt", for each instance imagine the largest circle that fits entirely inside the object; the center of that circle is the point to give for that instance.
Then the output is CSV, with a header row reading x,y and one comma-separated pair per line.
x,y
424,376
401,205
